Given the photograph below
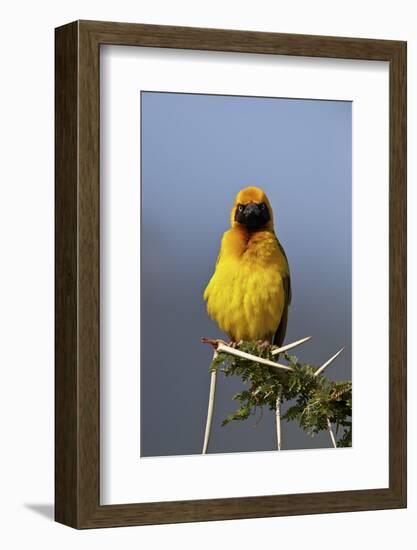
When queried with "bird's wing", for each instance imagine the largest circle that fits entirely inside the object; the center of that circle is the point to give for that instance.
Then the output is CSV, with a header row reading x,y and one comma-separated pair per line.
x,y
210,283
286,281
282,327
287,284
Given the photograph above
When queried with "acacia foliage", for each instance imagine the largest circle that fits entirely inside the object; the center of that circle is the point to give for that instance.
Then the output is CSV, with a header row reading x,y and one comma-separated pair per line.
x,y
314,399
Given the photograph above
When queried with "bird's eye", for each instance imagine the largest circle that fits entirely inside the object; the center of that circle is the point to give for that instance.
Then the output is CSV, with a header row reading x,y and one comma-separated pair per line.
x,y
240,208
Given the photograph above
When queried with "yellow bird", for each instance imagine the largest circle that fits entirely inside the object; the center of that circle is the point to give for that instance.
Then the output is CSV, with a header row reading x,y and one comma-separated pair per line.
x,y
250,291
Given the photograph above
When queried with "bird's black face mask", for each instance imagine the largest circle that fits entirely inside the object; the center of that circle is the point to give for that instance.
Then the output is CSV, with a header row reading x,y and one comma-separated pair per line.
x,y
254,216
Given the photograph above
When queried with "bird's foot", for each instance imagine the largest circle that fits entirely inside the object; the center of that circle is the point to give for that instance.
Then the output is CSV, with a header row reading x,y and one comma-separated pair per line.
x,y
214,342
233,344
263,344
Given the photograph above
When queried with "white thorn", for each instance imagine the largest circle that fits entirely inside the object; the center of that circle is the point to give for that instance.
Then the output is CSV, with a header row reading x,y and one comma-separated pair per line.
x,y
278,421
210,409
332,437
255,358
327,363
290,346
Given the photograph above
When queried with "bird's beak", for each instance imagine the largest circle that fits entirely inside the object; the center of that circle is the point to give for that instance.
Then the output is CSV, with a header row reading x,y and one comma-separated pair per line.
x,y
252,213
252,210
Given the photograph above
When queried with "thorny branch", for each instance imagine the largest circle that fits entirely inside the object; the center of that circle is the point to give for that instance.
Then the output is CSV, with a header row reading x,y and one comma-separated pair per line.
x,y
319,402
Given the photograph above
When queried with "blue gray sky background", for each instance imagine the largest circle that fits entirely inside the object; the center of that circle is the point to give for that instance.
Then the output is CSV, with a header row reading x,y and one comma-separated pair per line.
x,y
197,152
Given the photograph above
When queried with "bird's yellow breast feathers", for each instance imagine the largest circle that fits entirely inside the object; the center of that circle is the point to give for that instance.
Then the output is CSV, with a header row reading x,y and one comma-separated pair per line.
x,y
249,292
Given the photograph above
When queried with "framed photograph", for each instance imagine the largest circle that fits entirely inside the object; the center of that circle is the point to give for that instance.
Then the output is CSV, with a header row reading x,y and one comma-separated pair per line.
x,y
230,274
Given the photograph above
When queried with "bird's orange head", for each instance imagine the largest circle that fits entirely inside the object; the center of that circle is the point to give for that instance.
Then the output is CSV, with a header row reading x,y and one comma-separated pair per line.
x,y
252,210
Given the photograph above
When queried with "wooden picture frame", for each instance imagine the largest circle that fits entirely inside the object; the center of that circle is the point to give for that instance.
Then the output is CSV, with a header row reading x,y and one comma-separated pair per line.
x,y
77,382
